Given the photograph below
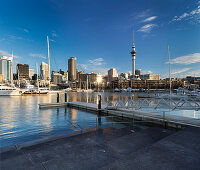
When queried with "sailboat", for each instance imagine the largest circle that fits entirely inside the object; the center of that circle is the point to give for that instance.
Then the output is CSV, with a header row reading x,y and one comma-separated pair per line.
x,y
170,95
41,90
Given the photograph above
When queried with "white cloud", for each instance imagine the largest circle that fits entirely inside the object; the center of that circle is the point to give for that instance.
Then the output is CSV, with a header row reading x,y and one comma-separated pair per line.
x,y
147,28
25,30
146,72
188,59
2,39
97,62
190,15
142,14
37,55
178,71
54,34
96,65
5,53
149,19
194,73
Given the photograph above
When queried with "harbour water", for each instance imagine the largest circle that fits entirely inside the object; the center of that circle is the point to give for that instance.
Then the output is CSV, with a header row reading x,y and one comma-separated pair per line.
x,y
21,119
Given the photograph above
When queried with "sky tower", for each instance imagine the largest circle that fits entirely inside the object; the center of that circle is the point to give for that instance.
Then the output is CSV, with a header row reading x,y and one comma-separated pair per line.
x,y
133,53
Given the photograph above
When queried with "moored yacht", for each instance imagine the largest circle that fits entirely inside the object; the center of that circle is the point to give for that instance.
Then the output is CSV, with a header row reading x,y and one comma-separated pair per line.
x,y
9,91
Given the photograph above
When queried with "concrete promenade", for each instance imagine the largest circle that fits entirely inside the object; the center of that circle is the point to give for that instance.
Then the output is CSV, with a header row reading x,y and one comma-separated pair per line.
x,y
152,117
151,148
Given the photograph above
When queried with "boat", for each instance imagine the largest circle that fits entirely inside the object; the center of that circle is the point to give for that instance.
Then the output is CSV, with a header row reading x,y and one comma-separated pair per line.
x,y
68,89
124,90
116,90
35,91
9,90
129,89
88,90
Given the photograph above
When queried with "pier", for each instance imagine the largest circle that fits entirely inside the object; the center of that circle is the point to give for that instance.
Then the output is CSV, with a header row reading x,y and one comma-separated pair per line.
x,y
160,118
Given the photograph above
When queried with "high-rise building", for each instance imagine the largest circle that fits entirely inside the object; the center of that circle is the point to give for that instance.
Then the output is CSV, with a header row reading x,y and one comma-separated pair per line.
x,y
23,71
72,69
133,53
31,74
6,68
44,71
112,74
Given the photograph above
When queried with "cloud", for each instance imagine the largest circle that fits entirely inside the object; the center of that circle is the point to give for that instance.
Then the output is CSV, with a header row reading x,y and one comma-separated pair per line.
x,y
5,53
14,37
142,14
194,73
37,55
2,39
96,62
149,19
147,28
188,59
146,72
54,34
178,71
96,66
194,14
24,30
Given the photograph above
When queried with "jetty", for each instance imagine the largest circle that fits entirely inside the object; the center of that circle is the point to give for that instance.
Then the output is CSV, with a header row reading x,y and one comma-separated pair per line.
x,y
160,118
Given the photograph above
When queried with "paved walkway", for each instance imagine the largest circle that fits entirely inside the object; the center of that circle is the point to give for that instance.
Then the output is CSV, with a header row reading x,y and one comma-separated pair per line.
x,y
151,148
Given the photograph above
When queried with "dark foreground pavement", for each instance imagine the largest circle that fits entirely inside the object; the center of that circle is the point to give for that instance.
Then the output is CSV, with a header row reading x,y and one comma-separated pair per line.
x,y
152,148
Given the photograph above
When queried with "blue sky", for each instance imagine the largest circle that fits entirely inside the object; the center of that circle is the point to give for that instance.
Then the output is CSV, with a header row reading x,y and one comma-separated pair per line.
x,y
99,34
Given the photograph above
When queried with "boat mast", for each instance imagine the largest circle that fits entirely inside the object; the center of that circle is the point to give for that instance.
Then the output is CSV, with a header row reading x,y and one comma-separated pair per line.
x,y
170,86
18,77
87,83
48,60
11,70
37,77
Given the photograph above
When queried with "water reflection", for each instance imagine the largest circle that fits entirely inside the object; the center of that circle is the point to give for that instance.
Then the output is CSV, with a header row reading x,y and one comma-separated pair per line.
x,y
21,118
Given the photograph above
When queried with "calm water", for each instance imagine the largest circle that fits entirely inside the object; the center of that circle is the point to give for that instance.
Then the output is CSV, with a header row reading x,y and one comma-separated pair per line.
x,y
21,120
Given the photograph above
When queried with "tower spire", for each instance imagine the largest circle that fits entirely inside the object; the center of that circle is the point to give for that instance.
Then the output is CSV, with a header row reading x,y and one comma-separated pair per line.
x,y
133,53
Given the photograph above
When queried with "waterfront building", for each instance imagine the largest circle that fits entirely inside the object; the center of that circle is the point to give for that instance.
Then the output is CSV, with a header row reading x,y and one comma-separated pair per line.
x,y
44,71
112,74
150,77
57,78
31,74
88,80
6,68
1,77
133,53
61,72
66,75
138,72
72,69
23,71
123,76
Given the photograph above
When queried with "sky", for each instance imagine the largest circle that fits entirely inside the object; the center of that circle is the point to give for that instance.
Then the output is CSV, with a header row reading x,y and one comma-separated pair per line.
x,y
99,33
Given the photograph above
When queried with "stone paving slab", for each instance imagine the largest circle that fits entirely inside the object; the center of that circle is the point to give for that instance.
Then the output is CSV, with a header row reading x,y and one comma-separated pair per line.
x,y
169,153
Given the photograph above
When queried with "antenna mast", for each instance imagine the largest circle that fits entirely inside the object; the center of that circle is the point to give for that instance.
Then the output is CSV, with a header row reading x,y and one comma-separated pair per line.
x,y
170,86
48,60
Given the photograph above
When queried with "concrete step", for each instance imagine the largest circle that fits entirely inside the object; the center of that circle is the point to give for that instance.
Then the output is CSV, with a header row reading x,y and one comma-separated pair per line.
x,y
180,150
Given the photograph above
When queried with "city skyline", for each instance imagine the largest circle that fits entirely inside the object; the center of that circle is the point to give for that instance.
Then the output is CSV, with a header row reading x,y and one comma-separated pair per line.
x,y
103,41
